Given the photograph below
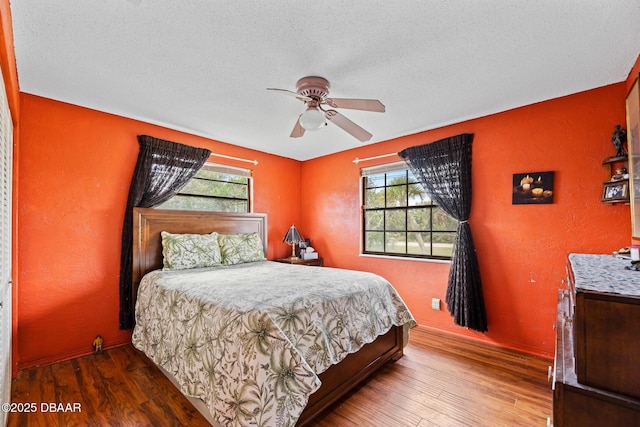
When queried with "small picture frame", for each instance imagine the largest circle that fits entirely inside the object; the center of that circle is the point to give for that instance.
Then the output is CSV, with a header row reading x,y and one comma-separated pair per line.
x,y
615,191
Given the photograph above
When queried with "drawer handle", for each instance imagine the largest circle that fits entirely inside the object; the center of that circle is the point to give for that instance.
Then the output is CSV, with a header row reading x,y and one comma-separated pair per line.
x,y
550,374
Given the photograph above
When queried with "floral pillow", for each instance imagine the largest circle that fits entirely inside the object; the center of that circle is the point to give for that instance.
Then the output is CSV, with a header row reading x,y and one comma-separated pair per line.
x,y
241,248
183,251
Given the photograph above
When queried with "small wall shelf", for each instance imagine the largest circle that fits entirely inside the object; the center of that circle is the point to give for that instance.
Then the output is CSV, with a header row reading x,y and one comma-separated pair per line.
x,y
616,188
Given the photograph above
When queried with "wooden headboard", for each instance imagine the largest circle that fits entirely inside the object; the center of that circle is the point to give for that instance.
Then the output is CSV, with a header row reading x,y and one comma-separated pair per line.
x,y
148,223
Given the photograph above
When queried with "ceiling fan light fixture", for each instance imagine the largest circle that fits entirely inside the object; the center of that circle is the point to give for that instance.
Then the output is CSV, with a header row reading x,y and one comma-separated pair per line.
x,y
312,119
314,92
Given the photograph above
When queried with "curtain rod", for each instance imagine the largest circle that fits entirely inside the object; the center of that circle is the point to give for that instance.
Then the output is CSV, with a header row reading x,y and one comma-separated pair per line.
x,y
255,162
357,160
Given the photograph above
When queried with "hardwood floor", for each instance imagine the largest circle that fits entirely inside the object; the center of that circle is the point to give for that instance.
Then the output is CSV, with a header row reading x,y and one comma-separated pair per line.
x,y
442,380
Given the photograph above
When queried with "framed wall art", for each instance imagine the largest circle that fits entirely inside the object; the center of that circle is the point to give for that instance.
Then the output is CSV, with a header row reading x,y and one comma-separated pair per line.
x,y
633,141
532,188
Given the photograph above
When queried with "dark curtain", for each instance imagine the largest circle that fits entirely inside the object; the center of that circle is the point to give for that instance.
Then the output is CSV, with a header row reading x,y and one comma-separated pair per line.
x,y
444,168
162,169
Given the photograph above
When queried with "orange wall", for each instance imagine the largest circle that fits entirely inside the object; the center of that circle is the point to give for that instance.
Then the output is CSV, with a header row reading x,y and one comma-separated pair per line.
x,y
521,248
75,168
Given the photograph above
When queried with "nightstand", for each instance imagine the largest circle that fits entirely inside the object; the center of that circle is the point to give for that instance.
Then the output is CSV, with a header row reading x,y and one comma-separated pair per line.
x,y
313,262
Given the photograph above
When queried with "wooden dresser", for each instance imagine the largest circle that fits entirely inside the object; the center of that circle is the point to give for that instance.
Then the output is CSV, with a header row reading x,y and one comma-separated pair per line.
x,y
596,377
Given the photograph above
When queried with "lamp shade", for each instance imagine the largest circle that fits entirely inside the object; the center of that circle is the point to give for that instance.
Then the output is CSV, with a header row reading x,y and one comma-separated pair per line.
x,y
312,119
293,236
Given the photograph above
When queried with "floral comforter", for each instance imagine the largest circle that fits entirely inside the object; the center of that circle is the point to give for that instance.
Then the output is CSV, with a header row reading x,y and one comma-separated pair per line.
x,y
250,340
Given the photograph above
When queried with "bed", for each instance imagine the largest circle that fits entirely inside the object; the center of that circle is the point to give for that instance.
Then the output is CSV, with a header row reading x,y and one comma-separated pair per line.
x,y
258,353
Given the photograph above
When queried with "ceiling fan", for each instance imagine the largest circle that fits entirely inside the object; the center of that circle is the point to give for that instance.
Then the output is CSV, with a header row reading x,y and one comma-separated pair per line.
x,y
314,91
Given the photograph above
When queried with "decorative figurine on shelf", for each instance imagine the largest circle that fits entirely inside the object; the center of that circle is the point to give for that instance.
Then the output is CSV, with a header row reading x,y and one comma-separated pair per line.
x,y
97,345
621,173
619,139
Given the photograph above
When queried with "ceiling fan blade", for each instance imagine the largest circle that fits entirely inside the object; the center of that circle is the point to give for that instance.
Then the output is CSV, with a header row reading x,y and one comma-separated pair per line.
x,y
356,104
290,93
298,130
347,125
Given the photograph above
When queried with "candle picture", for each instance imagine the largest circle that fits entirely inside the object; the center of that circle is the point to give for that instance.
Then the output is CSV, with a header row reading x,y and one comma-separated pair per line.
x,y
532,188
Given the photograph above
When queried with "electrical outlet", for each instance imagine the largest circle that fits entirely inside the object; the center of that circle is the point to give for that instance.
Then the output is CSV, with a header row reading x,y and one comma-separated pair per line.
x,y
435,303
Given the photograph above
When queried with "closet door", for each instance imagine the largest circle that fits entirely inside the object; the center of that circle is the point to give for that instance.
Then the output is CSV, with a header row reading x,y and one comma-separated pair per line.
x,y
6,162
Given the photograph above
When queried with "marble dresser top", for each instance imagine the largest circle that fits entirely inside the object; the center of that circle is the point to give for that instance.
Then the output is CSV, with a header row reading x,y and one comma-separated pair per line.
x,y
604,273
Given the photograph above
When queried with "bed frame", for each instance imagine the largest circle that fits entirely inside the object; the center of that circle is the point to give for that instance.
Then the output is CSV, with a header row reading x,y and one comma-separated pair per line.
x,y
339,379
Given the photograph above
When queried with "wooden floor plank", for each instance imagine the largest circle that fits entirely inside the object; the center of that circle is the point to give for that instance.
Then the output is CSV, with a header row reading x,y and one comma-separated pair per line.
x,y
443,380
67,403
41,390
92,385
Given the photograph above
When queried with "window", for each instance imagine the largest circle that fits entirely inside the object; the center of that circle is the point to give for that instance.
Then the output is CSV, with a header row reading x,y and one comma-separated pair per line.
x,y
214,188
399,217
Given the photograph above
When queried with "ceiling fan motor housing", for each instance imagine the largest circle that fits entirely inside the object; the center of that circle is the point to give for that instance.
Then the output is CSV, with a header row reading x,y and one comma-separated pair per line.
x,y
313,87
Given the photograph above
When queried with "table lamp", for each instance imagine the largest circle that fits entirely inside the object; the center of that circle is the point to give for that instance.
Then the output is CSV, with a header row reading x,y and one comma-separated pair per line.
x,y
292,238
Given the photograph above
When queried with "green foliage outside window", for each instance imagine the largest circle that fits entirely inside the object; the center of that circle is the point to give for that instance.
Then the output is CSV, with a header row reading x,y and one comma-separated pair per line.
x,y
400,218
212,190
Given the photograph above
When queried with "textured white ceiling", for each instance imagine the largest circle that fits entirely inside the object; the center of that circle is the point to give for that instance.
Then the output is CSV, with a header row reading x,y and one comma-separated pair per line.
x,y
203,66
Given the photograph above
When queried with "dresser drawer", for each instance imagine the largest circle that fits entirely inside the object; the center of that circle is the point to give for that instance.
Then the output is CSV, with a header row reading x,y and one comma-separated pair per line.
x,y
577,404
607,342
